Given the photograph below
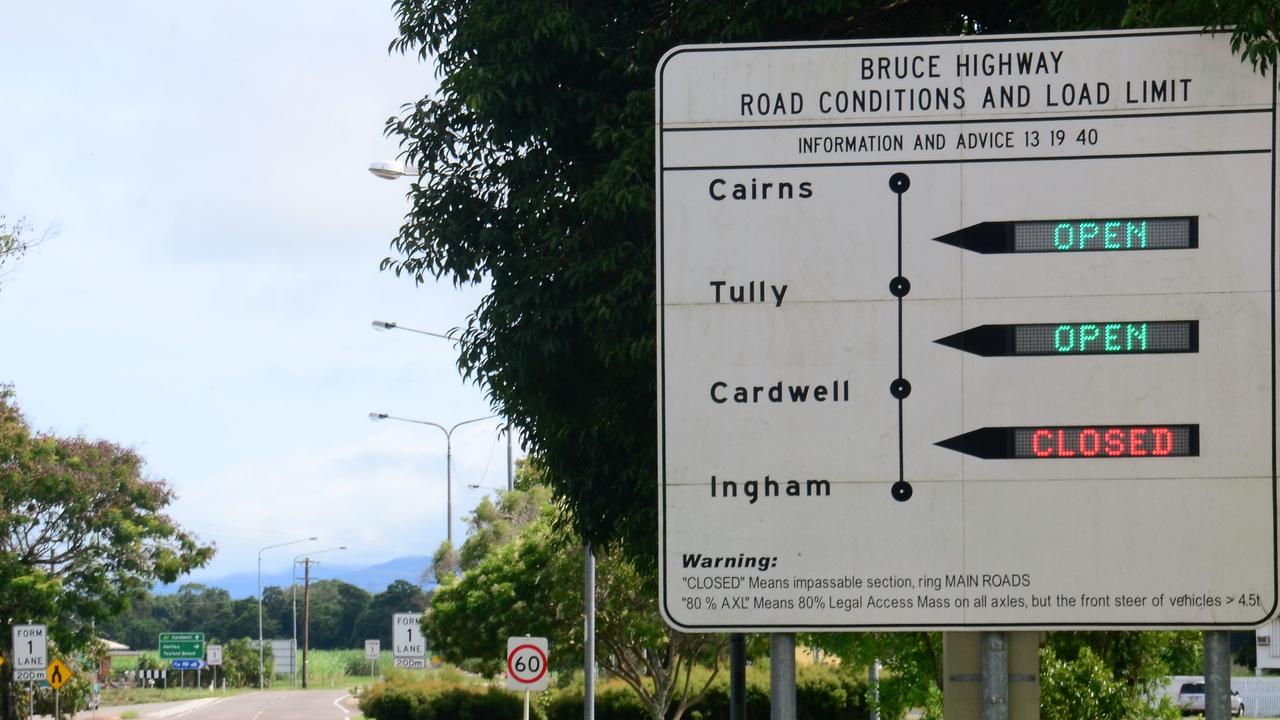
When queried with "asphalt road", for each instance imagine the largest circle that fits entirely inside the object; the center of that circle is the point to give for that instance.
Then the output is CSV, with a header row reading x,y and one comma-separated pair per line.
x,y
272,705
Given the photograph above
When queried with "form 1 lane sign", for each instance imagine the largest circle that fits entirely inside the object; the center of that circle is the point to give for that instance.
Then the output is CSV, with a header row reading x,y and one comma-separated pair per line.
x,y
527,663
964,333
30,648
406,636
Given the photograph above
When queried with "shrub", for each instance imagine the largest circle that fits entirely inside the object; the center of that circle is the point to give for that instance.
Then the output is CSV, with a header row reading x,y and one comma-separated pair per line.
x,y
1086,689
614,701
434,700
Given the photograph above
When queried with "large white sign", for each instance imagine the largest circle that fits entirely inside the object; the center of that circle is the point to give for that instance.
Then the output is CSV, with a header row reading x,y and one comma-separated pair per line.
x,y
967,333
527,663
30,648
372,648
406,636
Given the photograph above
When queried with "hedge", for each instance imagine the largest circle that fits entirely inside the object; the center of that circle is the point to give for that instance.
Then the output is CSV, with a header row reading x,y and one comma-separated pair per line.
x,y
434,700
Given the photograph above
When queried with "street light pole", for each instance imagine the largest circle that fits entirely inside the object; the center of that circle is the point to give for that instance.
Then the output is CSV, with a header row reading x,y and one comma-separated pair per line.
x,y
261,657
384,325
293,666
448,459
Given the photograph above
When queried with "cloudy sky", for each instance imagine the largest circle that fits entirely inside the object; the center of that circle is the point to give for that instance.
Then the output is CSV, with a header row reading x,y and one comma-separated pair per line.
x,y
208,293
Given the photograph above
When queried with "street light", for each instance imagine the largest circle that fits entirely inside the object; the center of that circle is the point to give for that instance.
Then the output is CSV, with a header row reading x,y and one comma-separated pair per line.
x,y
383,325
261,659
293,666
511,468
392,170
448,459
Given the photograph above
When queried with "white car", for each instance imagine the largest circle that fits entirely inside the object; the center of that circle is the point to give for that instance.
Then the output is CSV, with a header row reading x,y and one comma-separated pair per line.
x,y
1191,699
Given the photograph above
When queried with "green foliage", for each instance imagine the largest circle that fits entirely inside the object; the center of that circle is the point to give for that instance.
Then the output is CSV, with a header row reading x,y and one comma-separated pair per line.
x,y
821,693
433,700
911,661
343,616
240,663
1085,688
15,241
537,177
613,700
532,585
82,533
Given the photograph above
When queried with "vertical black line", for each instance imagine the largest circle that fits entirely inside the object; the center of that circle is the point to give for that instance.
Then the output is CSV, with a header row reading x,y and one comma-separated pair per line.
x,y
901,433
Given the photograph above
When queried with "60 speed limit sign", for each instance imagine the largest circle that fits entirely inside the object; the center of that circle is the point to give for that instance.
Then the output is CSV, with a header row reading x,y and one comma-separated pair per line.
x,y
527,663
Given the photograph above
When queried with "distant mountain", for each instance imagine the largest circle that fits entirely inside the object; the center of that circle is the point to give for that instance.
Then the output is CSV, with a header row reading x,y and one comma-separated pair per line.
x,y
373,578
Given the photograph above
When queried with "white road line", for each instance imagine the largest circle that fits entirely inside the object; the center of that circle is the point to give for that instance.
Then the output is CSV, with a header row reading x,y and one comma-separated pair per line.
x,y
185,708
338,704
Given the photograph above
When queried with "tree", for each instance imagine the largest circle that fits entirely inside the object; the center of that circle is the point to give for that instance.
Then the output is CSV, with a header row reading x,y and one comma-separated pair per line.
x,y
15,241
537,177
375,620
524,587
82,533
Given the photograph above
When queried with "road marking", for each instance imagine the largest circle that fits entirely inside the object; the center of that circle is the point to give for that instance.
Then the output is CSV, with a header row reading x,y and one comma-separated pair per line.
x,y
185,708
338,704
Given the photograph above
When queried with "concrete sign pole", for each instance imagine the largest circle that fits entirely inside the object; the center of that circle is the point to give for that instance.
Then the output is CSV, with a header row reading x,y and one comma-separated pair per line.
x,y
782,676
1217,675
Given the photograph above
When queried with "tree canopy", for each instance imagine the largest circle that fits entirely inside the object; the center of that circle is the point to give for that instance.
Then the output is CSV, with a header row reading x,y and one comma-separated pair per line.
x,y
82,533
537,175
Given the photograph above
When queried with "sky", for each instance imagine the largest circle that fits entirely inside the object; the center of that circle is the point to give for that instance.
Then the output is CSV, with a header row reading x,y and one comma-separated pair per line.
x,y
206,291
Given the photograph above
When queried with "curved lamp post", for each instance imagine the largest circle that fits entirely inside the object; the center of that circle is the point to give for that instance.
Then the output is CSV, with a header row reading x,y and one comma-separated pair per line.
x,y
448,458
511,468
261,658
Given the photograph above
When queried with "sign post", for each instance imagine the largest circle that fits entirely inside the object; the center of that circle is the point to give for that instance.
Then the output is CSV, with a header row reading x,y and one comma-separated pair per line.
x,y
30,656
408,647
181,646
527,666
960,334
57,675
213,657
372,649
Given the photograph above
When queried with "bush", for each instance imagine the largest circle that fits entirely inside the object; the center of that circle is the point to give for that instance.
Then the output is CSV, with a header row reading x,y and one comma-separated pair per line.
x,y
1086,689
434,700
614,701
821,693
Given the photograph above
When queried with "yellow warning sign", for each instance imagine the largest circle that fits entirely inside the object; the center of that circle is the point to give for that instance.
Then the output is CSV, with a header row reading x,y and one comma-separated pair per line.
x,y
57,674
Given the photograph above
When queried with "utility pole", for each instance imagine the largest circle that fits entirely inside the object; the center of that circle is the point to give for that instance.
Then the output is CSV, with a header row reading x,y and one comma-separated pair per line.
x,y
306,617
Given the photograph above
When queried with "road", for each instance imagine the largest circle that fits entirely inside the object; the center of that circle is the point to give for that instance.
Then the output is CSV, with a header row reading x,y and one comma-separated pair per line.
x,y
271,705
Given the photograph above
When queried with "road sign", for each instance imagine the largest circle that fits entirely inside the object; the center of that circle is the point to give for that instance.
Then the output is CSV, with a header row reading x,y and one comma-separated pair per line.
x,y
372,648
181,646
406,636
213,654
58,674
30,648
28,675
187,664
966,333
409,663
527,663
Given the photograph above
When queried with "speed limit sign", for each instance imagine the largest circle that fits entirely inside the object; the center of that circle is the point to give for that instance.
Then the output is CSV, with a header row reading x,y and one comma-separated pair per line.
x,y
527,663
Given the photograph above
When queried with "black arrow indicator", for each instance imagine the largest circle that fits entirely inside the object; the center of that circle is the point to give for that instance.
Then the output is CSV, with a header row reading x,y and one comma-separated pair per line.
x,y
1046,442
1109,337
1078,235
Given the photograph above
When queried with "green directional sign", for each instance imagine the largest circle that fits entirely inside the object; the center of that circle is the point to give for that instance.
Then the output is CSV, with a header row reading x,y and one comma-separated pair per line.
x,y
181,646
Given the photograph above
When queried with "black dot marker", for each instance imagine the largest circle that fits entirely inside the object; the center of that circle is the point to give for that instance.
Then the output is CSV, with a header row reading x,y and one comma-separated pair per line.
x,y
901,491
900,388
899,286
899,182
